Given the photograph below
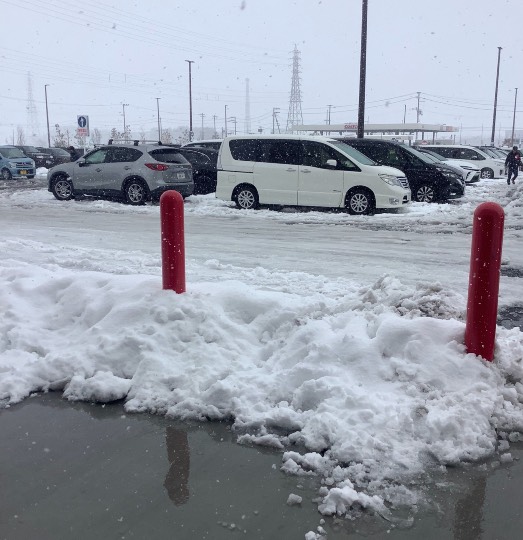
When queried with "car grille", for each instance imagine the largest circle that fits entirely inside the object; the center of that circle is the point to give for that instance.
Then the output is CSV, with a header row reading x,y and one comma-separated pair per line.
x,y
23,165
404,182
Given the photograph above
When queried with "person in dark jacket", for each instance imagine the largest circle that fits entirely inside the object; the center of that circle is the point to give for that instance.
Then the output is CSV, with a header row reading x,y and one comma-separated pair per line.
x,y
73,153
512,163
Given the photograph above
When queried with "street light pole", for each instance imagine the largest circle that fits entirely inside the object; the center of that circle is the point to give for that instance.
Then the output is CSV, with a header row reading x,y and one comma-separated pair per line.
x,y
47,116
158,115
363,69
190,99
514,118
492,138
124,124
226,120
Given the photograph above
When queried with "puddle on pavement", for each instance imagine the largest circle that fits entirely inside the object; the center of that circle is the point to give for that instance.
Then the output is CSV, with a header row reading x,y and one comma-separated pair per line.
x,y
79,470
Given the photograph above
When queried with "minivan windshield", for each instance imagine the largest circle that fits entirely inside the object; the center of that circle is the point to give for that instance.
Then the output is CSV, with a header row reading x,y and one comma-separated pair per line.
x,y
418,154
12,153
353,153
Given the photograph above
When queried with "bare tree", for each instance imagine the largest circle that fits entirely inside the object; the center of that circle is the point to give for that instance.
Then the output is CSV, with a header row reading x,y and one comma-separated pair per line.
x,y
60,140
166,136
96,137
20,135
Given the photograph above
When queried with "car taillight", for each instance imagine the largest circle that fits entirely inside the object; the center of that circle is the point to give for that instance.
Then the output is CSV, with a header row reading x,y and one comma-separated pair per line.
x,y
157,166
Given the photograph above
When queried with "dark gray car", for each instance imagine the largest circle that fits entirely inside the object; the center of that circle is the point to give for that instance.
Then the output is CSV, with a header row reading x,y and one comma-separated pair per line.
x,y
134,172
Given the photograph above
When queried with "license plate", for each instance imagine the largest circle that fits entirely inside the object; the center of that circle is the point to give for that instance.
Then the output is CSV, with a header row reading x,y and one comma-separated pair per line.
x,y
180,175
23,171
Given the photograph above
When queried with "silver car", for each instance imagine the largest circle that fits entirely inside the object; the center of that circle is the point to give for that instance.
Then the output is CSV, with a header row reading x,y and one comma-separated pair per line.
x,y
135,172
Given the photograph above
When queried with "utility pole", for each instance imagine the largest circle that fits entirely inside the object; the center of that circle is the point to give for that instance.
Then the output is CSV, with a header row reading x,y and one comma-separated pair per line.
x,y
329,114
214,123
49,133
418,109
158,115
124,124
275,111
190,99
226,120
405,113
495,102
363,69
513,118
233,120
202,134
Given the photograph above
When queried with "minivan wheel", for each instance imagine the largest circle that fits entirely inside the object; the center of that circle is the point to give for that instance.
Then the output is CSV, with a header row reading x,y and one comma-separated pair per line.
x,y
425,193
62,189
247,198
487,173
6,174
135,192
359,202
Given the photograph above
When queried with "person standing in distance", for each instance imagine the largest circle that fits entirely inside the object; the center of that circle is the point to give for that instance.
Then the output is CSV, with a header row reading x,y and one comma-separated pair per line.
x,y
513,163
73,153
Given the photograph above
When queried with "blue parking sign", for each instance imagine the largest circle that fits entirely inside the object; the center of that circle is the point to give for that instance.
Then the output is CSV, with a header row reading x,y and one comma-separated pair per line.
x,y
83,121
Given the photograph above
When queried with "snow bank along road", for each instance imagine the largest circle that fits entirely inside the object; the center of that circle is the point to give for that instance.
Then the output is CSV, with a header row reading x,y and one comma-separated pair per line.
x,y
336,339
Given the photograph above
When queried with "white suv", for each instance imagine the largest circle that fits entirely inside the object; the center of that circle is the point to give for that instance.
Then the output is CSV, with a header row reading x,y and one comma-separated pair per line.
x,y
290,170
490,167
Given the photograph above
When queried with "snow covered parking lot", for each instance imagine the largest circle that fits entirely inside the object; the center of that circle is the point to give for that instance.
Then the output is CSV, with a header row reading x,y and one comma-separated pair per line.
x,y
336,339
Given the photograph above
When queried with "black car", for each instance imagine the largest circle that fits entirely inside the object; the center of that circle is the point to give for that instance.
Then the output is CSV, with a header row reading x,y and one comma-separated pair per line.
x,y
204,172
429,181
58,156
41,159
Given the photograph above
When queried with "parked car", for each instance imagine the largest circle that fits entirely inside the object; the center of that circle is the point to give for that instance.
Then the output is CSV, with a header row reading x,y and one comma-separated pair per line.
x,y
490,167
135,172
291,170
203,161
429,181
471,173
15,164
492,151
58,156
214,144
41,159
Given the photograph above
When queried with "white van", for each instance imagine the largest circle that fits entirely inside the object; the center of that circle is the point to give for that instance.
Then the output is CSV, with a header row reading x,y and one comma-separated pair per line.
x,y
290,170
490,166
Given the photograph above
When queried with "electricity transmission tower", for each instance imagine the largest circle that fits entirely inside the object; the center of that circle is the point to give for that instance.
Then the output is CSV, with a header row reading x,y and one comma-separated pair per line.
x,y
295,116
32,114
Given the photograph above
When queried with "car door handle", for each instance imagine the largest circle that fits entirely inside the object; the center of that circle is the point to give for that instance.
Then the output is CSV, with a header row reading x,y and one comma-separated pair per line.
x,y
290,169
127,167
99,169
306,170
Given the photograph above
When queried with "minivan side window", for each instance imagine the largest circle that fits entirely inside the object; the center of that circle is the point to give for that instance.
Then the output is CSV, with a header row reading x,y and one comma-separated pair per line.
x,y
244,149
285,152
377,153
316,154
468,153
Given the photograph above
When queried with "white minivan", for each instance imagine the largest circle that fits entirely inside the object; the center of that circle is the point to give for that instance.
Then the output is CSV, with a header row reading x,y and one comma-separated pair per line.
x,y
490,166
292,170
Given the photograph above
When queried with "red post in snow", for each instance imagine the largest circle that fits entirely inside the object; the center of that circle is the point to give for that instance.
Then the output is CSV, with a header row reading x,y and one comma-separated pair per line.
x,y
485,264
173,241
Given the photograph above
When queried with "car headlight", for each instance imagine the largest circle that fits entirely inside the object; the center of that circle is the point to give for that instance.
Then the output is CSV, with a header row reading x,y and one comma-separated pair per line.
x,y
449,174
390,179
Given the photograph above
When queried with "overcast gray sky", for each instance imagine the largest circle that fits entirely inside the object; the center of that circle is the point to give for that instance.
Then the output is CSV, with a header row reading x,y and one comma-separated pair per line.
x,y
97,54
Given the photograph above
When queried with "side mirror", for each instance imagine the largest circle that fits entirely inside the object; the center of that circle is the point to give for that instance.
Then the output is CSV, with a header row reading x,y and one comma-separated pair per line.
x,y
331,163
82,163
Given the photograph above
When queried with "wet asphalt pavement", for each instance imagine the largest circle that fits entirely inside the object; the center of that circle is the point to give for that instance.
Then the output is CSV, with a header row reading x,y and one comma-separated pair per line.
x,y
83,471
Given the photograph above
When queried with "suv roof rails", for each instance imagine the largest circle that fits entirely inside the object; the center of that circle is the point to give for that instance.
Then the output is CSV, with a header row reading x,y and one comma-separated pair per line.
x,y
134,142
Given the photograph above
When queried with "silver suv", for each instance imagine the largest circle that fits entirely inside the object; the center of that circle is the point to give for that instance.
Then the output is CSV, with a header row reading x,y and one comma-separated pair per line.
x,y
135,172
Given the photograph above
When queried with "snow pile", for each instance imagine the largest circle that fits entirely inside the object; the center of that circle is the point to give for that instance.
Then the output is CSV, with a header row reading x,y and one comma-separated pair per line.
x,y
367,387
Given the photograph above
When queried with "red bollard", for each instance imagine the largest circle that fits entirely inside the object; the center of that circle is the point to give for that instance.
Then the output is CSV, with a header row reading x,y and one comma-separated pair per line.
x,y
173,241
485,264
